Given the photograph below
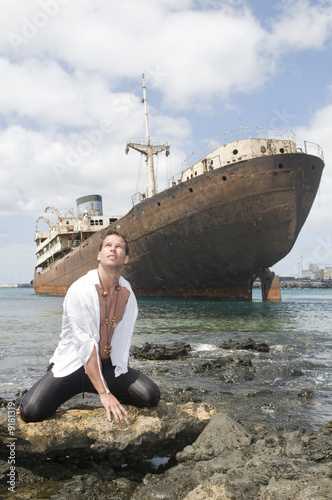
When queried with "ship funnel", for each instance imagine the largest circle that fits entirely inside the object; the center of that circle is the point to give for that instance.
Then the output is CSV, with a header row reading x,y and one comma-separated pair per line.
x,y
92,205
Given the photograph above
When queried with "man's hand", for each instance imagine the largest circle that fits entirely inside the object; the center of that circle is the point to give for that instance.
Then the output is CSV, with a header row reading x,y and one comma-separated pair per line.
x,y
109,402
112,405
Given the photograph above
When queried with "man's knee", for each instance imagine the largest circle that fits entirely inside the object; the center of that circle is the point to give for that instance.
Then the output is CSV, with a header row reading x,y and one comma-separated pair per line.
x,y
145,392
153,395
29,414
32,411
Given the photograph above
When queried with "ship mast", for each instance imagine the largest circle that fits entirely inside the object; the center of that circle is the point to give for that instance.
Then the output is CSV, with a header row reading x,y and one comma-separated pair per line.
x,y
148,149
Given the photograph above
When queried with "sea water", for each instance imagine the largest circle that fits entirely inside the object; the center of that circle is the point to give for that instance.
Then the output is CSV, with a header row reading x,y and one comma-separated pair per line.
x,y
291,384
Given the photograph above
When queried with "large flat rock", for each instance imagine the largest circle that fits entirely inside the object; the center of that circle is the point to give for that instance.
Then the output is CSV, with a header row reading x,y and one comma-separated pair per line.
x,y
145,433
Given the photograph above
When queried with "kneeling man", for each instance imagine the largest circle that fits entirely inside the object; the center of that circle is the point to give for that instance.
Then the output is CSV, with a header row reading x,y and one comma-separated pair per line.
x,y
99,314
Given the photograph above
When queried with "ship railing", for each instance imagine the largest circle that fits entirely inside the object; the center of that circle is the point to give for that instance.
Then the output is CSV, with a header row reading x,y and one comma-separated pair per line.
x,y
314,149
233,136
137,198
237,135
140,140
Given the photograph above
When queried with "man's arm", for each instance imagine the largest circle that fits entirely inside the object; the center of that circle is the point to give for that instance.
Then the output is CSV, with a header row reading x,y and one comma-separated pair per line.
x,y
109,402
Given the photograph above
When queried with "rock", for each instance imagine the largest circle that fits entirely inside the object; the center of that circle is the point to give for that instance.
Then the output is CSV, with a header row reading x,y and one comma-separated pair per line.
x,y
175,350
306,394
89,487
296,490
78,450
207,492
222,434
145,432
79,453
231,369
227,462
248,344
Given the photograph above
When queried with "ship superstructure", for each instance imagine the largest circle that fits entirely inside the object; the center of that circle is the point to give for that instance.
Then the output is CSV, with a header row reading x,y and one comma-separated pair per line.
x,y
69,230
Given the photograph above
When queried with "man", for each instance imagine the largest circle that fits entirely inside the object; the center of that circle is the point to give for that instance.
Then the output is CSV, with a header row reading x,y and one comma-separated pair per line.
x,y
99,314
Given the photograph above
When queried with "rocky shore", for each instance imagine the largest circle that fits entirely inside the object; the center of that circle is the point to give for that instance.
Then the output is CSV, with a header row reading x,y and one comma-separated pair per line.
x,y
178,450
209,455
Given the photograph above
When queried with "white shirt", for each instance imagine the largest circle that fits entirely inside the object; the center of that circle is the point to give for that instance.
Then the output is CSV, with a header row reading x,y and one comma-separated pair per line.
x,y
81,324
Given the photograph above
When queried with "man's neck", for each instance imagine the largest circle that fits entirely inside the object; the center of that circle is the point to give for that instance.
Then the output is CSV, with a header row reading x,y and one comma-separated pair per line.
x,y
109,278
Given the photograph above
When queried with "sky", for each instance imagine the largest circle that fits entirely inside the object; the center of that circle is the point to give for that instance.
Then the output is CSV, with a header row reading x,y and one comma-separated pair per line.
x,y
71,90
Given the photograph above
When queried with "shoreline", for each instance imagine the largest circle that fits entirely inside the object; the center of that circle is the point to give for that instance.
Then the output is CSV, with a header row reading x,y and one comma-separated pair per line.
x,y
205,454
284,283
16,285
300,283
256,443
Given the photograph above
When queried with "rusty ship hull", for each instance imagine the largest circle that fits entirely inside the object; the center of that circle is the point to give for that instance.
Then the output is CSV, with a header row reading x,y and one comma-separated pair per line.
x,y
208,237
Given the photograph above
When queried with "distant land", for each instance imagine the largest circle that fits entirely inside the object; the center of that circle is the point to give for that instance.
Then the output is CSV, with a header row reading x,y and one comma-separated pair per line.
x,y
289,282
17,285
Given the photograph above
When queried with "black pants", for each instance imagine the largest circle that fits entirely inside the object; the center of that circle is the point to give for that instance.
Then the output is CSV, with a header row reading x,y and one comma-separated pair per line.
x,y
46,395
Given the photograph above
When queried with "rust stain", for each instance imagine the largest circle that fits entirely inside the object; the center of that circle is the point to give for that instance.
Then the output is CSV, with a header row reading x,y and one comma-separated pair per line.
x,y
221,293
51,290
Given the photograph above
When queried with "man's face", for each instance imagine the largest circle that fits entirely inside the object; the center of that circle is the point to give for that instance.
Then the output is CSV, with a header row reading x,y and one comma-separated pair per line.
x,y
113,252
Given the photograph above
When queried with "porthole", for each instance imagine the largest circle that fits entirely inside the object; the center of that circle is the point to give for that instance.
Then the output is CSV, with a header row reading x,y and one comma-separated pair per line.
x,y
263,149
281,150
280,165
235,151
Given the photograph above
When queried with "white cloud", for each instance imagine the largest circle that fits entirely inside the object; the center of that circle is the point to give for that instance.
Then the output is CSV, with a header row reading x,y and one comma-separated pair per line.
x,y
320,131
43,93
71,90
40,169
191,55
314,244
302,25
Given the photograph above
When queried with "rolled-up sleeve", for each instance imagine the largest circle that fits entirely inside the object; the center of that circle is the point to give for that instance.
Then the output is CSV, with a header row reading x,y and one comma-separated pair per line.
x,y
80,326
81,318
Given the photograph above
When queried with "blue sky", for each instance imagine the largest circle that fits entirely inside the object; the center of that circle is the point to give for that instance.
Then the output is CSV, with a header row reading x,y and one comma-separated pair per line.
x,y
71,73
